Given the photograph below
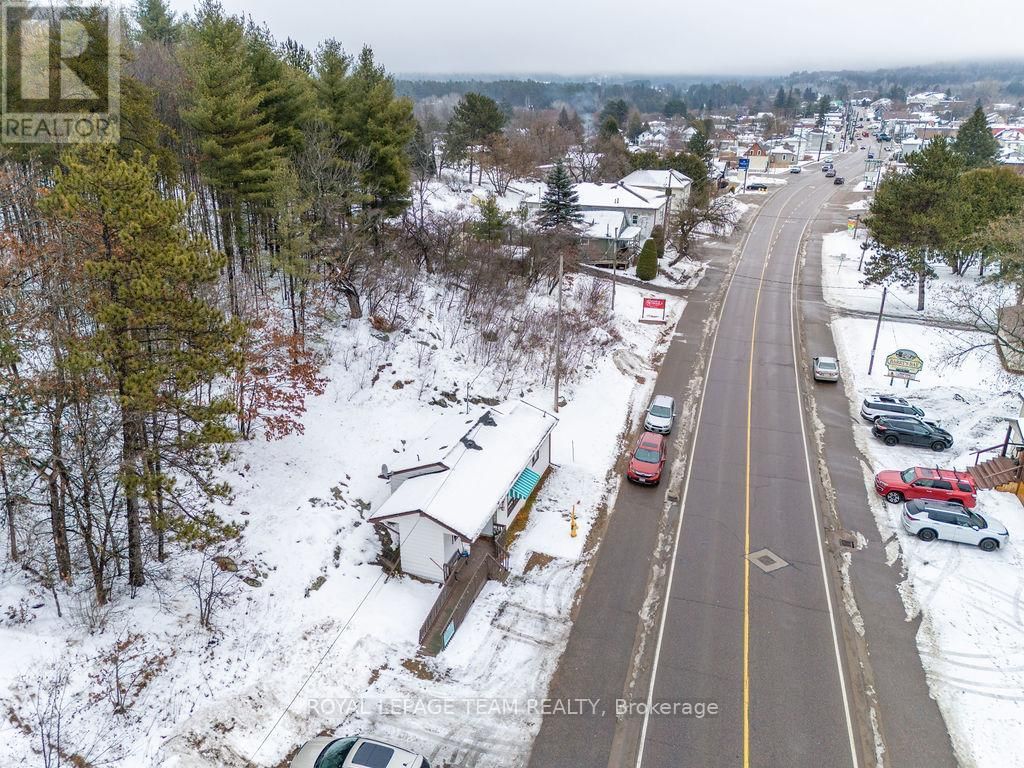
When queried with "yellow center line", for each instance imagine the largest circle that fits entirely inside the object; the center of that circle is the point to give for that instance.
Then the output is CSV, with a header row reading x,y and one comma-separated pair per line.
x,y
776,231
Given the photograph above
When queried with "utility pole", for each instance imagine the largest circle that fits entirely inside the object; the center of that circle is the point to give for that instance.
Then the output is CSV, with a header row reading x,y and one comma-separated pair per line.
x,y
878,327
558,326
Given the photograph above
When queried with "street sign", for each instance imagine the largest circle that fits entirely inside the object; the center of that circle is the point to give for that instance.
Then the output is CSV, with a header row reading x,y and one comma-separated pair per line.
x,y
744,163
654,310
904,361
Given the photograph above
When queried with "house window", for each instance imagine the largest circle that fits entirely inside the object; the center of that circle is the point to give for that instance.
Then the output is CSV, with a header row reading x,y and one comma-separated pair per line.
x,y
510,504
635,218
535,459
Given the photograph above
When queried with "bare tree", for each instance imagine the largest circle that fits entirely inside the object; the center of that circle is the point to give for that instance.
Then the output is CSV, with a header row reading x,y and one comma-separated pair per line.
x,y
701,216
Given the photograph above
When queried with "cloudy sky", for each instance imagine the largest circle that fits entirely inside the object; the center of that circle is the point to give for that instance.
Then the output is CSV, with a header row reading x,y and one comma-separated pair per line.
x,y
649,36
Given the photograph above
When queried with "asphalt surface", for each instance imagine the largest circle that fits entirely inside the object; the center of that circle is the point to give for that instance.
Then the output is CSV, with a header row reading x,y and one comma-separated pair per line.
x,y
749,667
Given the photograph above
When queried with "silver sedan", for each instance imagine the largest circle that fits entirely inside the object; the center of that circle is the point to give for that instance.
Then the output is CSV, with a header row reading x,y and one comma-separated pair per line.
x,y
826,369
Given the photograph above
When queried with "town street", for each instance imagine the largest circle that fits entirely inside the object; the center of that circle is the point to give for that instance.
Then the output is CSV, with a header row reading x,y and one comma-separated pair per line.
x,y
676,612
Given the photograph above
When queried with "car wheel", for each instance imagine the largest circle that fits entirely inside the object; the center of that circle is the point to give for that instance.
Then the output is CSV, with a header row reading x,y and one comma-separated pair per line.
x,y
894,497
938,445
989,545
927,534
891,439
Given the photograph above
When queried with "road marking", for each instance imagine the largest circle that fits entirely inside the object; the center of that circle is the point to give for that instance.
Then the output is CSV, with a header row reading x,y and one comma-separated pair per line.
x,y
814,506
686,491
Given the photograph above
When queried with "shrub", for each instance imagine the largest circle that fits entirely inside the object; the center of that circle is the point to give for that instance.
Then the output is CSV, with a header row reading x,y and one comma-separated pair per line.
x,y
647,264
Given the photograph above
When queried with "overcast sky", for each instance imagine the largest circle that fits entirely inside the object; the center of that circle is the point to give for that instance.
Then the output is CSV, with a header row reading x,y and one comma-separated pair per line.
x,y
644,36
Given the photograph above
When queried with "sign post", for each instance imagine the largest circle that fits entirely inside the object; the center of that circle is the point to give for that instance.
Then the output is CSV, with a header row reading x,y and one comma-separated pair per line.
x,y
904,364
654,311
744,164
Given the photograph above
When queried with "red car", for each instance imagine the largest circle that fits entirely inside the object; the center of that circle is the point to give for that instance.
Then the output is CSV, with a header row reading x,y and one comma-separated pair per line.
x,y
648,459
931,484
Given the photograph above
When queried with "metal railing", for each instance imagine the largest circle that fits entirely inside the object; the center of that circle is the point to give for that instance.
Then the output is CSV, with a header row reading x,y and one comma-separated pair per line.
x,y
486,570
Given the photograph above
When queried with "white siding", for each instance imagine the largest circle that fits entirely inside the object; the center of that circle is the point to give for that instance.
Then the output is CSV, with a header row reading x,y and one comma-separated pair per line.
x,y
422,545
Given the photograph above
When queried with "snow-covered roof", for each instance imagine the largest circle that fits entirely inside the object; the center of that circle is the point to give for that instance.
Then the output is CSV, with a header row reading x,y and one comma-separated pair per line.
x,y
434,446
479,471
611,196
602,225
658,179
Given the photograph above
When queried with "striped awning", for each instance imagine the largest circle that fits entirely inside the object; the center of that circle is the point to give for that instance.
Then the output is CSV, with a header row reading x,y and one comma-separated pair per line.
x,y
524,484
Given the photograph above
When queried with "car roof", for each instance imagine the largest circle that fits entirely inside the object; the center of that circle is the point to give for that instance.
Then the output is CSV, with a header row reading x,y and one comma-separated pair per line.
x,y
924,505
891,399
662,400
821,359
943,474
380,754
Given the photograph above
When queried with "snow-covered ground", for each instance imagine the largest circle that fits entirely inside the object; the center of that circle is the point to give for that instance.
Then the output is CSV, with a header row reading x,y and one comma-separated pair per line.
x,y
317,624
843,287
971,603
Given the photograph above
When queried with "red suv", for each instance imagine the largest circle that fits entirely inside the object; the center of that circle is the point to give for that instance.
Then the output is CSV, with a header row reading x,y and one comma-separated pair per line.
x,y
931,484
648,459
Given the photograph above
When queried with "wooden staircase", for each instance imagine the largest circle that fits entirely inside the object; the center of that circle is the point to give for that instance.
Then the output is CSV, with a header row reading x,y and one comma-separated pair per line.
x,y
996,472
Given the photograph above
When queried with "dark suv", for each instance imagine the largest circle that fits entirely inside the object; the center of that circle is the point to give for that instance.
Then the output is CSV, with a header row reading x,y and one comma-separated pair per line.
x,y
894,431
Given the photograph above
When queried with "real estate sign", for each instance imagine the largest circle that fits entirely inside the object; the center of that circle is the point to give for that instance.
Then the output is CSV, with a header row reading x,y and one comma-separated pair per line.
x,y
654,310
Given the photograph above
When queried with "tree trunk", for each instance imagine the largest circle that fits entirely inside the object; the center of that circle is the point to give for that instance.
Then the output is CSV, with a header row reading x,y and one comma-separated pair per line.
x,y
130,457
920,290
58,525
8,511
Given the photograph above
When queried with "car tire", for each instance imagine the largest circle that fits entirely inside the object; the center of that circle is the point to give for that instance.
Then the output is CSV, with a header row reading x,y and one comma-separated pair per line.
x,y
989,545
894,497
938,446
891,440
927,534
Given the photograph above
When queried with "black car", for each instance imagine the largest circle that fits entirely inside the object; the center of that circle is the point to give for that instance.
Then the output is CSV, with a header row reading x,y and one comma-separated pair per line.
x,y
757,187
897,431
839,180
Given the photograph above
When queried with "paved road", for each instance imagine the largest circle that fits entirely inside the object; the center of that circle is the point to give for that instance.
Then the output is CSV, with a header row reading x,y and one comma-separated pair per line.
x,y
766,649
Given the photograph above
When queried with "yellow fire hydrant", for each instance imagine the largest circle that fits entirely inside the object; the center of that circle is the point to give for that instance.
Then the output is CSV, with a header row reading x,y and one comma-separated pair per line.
x,y
572,522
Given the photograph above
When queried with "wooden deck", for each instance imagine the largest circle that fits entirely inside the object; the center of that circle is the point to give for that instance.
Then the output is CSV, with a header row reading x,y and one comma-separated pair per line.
x,y
487,561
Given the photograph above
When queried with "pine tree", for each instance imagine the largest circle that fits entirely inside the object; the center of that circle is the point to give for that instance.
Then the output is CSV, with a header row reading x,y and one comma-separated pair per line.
x,y
780,99
235,136
493,221
560,205
155,338
647,262
975,142
287,92
475,121
370,120
157,21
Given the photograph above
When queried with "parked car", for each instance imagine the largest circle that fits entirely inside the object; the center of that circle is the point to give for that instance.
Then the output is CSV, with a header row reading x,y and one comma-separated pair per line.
x,y
930,484
661,413
930,520
826,369
354,752
839,180
757,186
871,155
896,431
795,169
648,459
827,166
863,147
830,173
887,405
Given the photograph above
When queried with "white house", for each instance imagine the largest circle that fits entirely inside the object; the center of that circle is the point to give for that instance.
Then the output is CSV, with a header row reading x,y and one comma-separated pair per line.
x,y
672,184
609,232
465,479
1011,139
642,208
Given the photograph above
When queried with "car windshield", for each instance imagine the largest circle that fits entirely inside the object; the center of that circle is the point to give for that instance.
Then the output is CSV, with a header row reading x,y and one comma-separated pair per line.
x,y
826,365
335,753
907,475
647,455
977,520
661,410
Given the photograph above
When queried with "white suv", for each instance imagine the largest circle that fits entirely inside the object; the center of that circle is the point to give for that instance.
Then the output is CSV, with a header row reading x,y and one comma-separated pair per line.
x,y
887,405
930,520
330,752
661,413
